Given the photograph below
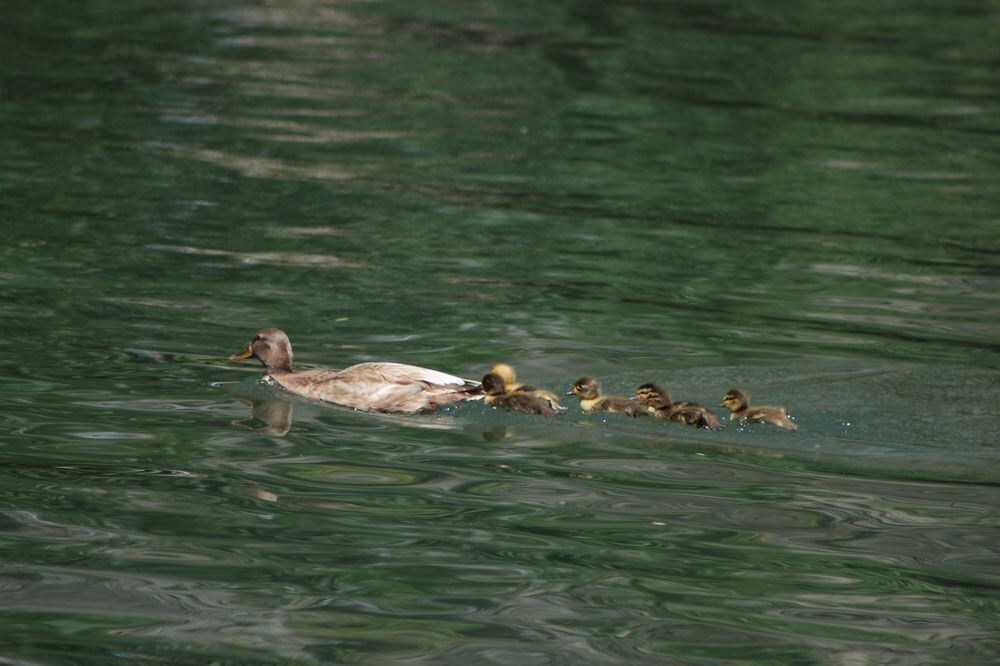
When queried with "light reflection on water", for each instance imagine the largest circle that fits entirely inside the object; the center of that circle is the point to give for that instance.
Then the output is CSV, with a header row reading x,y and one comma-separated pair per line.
x,y
632,193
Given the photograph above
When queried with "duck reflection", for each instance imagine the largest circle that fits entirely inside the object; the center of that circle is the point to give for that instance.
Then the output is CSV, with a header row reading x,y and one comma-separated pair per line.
x,y
274,417
271,417
497,433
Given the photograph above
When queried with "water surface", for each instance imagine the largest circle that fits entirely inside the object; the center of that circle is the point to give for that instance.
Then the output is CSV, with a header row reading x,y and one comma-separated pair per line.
x,y
799,200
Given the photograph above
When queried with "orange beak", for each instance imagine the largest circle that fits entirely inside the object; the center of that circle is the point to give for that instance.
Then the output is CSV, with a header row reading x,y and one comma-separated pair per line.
x,y
243,355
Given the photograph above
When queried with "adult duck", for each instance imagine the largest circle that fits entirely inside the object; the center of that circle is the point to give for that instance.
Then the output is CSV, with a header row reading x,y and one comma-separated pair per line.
x,y
376,387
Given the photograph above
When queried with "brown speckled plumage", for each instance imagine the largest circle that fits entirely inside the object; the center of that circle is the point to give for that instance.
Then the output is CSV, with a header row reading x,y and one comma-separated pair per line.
x,y
738,403
523,399
686,412
588,390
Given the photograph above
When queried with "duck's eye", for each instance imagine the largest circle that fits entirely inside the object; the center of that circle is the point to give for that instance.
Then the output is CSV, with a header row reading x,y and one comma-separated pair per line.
x,y
256,338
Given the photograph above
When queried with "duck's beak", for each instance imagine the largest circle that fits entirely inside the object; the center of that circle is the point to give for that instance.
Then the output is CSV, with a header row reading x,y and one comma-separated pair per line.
x,y
243,355
569,392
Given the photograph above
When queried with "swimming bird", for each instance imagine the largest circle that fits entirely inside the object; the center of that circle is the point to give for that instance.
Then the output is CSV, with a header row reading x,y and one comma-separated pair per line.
x,y
588,390
497,393
686,412
510,382
376,387
738,403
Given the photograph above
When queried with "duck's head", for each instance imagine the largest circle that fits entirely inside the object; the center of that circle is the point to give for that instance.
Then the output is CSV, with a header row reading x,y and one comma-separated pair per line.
x,y
493,384
271,347
735,400
506,373
654,396
585,388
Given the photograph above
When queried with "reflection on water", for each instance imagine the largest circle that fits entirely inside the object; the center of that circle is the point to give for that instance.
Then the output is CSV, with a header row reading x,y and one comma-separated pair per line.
x,y
257,167
799,203
267,416
295,259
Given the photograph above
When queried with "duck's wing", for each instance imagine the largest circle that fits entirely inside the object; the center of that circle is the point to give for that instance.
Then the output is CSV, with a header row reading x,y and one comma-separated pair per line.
x,y
626,406
401,373
540,392
398,387
682,412
696,415
531,404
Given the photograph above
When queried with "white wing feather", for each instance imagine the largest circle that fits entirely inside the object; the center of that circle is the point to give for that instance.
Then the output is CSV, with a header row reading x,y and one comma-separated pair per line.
x,y
393,371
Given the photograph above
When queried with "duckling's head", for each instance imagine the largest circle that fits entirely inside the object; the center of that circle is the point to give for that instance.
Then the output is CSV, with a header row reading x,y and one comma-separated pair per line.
x,y
655,396
735,400
493,384
506,373
271,347
585,388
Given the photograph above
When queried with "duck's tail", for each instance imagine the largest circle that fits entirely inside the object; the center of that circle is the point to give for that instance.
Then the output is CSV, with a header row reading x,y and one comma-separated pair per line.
x,y
787,423
471,390
708,420
468,391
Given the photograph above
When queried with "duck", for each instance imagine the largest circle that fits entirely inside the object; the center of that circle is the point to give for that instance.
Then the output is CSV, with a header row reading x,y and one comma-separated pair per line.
x,y
374,387
738,403
588,390
509,378
686,412
499,394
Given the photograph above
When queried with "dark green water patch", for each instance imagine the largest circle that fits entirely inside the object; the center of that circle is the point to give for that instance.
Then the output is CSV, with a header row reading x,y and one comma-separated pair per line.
x,y
796,199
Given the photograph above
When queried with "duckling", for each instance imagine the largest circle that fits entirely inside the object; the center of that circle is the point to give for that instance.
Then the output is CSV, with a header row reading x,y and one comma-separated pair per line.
x,y
377,387
510,381
497,393
588,390
688,413
738,402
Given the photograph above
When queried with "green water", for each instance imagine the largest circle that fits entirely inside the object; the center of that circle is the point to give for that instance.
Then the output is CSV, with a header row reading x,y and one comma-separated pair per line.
x,y
799,199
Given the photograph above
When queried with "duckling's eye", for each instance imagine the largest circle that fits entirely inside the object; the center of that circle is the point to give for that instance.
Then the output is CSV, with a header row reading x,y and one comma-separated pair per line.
x,y
256,338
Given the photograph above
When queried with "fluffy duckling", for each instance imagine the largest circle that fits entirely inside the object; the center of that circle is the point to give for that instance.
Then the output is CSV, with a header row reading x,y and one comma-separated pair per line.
x,y
588,390
688,413
738,403
377,387
499,394
510,381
